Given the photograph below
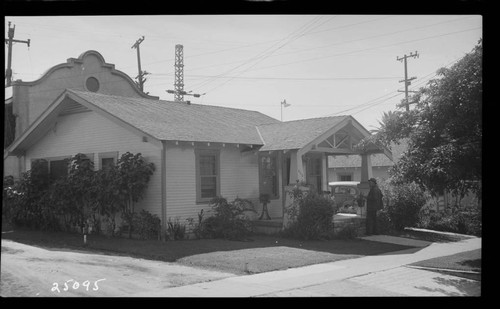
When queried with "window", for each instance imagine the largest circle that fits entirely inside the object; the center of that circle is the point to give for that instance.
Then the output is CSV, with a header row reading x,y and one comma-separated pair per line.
x,y
92,84
207,174
54,168
268,175
346,177
58,169
314,173
107,159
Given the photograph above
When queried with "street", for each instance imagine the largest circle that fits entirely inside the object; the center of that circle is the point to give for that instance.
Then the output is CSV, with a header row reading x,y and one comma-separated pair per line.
x,y
31,271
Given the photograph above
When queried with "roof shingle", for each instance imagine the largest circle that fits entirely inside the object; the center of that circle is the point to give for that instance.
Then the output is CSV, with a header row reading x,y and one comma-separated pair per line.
x,y
295,134
179,121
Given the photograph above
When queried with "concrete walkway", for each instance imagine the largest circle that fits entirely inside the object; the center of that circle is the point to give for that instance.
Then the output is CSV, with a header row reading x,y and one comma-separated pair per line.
x,y
380,275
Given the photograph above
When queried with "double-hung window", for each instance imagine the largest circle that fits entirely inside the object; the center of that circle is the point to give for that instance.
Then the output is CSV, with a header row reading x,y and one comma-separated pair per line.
x,y
207,174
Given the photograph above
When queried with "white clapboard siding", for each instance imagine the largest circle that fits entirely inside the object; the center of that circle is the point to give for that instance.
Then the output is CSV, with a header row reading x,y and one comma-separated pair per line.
x,y
89,132
238,178
181,183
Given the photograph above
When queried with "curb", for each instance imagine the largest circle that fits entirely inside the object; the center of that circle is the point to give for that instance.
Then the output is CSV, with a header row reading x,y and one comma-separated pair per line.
x,y
473,275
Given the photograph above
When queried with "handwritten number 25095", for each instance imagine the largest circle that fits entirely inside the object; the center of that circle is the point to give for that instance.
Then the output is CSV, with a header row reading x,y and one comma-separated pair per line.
x,y
75,285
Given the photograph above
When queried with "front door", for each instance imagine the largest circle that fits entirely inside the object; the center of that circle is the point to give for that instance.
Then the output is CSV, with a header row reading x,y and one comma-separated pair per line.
x,y
314,172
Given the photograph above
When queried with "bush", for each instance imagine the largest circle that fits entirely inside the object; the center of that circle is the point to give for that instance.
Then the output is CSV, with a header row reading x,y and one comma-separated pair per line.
x,y
384,224
349,231
228,221
461,222
175,229
312,217
403,203
147,225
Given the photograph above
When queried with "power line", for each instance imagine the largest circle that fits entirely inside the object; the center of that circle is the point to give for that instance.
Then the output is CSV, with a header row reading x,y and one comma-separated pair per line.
x,y
371,48
347,53
266,53
307,30
375,102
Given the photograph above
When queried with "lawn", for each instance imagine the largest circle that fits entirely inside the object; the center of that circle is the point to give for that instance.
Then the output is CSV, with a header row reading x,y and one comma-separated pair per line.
x,y
260,254
464,264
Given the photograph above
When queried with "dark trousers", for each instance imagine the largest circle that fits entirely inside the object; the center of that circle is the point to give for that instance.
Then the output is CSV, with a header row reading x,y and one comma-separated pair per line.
x,y
371,222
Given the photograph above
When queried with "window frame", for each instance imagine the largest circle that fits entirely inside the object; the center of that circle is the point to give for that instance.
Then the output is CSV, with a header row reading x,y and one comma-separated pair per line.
x,y
199,152
106,155
90,156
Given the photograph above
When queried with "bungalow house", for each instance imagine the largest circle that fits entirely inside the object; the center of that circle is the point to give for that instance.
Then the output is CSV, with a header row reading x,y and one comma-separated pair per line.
x,y
200,151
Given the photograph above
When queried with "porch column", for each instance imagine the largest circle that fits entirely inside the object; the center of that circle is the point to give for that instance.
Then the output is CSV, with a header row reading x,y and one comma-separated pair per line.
x,y
366,173
296,167
324,164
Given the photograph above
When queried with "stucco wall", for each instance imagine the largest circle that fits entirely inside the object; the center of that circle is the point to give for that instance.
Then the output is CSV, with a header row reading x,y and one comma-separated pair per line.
x,y
32,98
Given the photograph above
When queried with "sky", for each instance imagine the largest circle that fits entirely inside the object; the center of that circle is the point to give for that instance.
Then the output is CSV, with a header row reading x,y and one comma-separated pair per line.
x,y
322,65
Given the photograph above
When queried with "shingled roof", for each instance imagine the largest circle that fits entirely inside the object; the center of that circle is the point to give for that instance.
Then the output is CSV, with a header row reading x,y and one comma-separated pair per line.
x,y
179,121
295,134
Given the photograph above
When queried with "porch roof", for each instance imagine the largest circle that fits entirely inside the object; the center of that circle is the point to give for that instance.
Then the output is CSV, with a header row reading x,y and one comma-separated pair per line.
x,y
296,134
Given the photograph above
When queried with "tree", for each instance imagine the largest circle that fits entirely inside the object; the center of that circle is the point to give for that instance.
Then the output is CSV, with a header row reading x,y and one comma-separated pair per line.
x,y
134,175
107,195
444,130
80,181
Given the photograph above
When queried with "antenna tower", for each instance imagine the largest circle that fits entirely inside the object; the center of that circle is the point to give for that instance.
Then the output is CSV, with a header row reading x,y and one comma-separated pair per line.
x,y
178,91
179,73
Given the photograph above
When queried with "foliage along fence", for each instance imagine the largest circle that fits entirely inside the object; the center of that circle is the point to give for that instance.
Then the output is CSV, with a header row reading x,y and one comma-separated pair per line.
x,y
84,198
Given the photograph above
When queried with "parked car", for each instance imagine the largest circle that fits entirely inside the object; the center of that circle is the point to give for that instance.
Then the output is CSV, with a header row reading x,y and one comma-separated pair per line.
x,y
346,194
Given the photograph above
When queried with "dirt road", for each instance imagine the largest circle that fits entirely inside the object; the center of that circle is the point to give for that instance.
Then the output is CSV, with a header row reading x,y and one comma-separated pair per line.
x,y
28,271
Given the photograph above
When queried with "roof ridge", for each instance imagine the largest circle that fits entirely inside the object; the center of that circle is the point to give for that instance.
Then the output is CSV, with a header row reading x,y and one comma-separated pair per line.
x,y
307,119
175,102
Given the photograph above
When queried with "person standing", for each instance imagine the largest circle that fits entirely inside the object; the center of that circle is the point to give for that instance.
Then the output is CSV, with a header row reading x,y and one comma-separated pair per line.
x,y
373,204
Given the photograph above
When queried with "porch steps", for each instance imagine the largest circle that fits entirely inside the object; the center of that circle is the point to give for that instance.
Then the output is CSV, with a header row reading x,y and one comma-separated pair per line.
x,y
267,227
340,222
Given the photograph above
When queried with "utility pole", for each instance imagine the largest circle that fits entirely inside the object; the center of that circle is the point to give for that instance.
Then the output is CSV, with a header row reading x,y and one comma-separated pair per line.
x,y
140,78
9,41
178,91
407,80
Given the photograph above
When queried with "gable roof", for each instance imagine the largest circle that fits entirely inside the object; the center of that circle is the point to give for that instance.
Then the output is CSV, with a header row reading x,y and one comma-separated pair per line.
x,y
295,134
179,121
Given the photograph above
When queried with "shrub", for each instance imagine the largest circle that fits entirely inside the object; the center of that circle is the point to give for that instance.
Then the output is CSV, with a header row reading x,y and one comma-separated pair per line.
x,y
228,221
311,216
403,203
175,229
384,224
462,222
349,231
147,225
197,228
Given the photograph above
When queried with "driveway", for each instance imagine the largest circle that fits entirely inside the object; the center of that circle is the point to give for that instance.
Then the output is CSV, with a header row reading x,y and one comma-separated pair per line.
x,y
28,271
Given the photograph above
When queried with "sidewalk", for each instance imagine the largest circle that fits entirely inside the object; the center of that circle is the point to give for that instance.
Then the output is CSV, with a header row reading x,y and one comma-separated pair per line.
x,y
381,275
